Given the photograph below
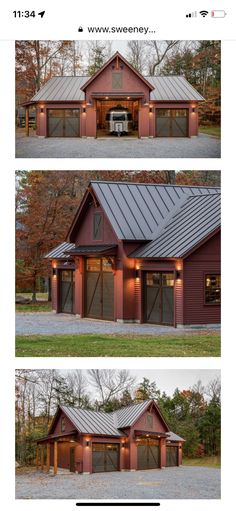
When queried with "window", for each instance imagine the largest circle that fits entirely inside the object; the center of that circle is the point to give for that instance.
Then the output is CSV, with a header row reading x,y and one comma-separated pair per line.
x,y
117,80
63,424
149,421
97,226
212,289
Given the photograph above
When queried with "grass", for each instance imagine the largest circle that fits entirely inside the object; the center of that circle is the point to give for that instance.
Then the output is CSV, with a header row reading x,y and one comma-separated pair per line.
x,y
34,307
210,130
204,344
206,461
39,296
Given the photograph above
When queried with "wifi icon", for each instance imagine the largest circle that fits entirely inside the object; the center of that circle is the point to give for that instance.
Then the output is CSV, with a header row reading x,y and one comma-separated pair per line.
x,y
204,13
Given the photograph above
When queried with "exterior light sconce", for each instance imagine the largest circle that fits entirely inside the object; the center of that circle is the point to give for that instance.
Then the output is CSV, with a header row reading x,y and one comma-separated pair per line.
x,y
137,273
54,272
41,110
150,110
84,110
178,274
87,443
193,109
123,444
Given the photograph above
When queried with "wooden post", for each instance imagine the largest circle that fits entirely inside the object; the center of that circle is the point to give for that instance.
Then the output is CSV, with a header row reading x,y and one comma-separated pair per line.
x,y
48,457
55,458
37,457
42,456
27,120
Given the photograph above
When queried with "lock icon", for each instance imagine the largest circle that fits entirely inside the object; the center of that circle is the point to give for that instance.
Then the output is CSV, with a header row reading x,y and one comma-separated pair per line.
x,y
80,29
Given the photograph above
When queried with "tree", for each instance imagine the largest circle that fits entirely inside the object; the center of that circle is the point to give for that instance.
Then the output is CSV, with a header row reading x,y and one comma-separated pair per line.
x,y
46,203
147,390
109,384
137,54
158,52
98,54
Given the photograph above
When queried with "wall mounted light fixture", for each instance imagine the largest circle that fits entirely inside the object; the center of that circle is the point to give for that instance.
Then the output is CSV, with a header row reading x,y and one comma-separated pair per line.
x,y
178,274
84,110
193,109
54,271
136,273
87,443
123,444
150,110
41,110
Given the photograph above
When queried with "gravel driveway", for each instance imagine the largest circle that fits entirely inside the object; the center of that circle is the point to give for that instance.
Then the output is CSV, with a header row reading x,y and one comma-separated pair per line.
x,y
203,146
169,483
46,323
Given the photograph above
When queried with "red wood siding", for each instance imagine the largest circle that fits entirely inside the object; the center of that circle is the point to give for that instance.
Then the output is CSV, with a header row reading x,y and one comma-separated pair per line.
x,y
85,229
204,260
158,425
68,425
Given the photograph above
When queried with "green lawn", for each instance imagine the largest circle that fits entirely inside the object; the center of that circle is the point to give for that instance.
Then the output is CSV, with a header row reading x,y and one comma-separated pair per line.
x,y
210,130
34,307
206,461
203,344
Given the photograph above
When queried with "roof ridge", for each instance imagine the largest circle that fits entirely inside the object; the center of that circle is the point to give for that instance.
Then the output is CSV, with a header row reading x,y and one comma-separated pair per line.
x,y
136,183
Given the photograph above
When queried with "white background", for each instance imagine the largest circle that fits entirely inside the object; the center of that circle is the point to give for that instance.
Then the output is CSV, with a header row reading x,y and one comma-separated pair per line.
x,y
62,21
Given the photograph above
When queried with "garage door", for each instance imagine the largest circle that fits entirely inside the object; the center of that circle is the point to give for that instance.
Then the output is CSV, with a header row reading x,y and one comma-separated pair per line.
x,y
148,454
171,456
105,457
99,288
64,122
171,122
159,298
66,291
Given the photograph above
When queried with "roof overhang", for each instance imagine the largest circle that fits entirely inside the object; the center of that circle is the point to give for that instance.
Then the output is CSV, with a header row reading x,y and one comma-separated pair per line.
x,y
117,95
149,434
62,437
94,250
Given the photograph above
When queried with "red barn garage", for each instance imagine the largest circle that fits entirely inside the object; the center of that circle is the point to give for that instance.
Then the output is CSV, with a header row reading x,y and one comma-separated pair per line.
x,y
135,437
143,253
116,100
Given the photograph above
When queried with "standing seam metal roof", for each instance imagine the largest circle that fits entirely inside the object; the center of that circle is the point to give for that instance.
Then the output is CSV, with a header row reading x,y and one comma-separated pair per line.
x,y
60,252
102,423
68,88
196,218
136,210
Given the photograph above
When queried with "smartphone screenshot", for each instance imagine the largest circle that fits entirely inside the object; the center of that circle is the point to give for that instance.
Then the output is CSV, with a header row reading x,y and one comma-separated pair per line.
x,y
117,136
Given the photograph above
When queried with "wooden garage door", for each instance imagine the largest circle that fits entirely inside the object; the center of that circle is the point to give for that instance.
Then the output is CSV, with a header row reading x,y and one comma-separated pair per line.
x,y
99,288
66,291
159,298
171,122
105,457
171,456
64,122
148,454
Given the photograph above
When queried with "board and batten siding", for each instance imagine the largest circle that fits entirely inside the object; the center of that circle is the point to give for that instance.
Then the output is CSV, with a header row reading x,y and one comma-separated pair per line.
x,y
203,261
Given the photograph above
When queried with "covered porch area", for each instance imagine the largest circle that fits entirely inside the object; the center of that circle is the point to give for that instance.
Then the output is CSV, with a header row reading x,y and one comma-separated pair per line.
x,y
58,451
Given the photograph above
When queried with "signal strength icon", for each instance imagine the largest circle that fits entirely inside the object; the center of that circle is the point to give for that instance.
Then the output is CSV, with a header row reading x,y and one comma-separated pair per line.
x,y
203,13
191,14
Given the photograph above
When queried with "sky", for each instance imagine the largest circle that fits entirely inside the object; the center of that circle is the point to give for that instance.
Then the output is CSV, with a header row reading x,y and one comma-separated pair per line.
x,y
168,380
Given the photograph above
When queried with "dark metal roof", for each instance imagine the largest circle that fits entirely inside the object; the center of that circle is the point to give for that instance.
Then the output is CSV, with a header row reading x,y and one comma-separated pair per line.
x,y
173,437
127,416
62,88
87,421
173,88
92,249
195,219
166,88
60,251
136,210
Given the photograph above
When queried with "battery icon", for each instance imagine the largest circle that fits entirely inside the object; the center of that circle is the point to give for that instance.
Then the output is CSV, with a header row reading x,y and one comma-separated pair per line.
x,y
218,14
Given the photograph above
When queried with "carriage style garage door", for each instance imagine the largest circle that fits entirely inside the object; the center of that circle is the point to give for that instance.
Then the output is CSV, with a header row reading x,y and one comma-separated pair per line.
x,y
171,122
99,301
171,456
105,457
64,122
159,298
66,291
148,454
